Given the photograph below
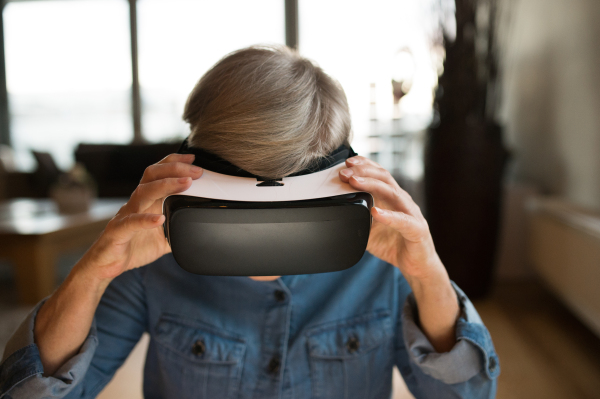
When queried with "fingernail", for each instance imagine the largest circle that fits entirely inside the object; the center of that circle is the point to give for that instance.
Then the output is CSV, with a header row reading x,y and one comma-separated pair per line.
x,y
354,161
156,218
347,172
183,179
381,211
196,169
359,179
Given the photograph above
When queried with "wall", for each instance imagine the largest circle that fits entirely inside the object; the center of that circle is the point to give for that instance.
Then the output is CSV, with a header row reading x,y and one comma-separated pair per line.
x,y
551,111
552,97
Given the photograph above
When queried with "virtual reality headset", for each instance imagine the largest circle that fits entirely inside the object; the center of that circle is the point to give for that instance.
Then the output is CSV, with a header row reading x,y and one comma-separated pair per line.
x,y
233,223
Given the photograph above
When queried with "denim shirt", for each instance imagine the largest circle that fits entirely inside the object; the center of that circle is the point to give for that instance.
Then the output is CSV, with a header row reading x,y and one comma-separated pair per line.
x,y
332,335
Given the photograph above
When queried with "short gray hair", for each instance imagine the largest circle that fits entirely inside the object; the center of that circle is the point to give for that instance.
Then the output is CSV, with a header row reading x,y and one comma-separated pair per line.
x,y
268,111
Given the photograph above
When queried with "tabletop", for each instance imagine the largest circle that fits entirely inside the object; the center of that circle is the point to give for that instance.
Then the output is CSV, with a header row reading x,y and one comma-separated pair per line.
x,y
38,216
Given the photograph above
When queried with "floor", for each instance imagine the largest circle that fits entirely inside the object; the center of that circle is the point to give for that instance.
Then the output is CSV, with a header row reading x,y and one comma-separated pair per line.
x,y
545,352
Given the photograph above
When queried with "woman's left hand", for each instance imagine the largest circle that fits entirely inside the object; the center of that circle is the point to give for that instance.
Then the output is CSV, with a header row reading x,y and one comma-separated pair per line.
x,y
400,236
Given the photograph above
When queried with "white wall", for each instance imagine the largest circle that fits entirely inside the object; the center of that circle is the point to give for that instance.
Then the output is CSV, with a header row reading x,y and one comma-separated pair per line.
x,y
551,111
552,97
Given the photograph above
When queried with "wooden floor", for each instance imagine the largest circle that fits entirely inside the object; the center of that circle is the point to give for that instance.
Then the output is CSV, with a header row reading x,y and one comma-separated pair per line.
x,y
545,352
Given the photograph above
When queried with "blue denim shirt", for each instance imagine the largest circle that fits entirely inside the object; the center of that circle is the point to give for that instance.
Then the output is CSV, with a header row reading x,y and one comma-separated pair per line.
x,y
332,335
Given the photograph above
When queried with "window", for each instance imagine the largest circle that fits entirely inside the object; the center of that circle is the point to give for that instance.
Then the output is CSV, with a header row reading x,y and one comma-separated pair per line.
x,y
364,45
68,69
69,74
179,40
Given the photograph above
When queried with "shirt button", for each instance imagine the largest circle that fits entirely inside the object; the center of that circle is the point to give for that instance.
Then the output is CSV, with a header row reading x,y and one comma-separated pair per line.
x,y
198,348
279,295
274,365
493,363
352,344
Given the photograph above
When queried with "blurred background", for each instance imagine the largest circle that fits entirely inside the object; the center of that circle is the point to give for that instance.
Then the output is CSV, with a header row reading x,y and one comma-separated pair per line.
x,y
485,111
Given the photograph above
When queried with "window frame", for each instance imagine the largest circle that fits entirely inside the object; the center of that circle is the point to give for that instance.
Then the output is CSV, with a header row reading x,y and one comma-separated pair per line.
x,y
291,40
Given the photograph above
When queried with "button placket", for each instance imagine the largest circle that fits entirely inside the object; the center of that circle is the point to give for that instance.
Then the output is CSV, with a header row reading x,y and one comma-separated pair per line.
x,y
274,339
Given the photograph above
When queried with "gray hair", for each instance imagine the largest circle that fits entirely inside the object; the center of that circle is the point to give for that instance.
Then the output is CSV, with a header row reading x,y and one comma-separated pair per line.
x,y
268,111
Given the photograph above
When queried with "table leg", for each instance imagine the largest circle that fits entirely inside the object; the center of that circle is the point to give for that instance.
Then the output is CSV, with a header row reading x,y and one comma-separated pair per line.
x,y
35,269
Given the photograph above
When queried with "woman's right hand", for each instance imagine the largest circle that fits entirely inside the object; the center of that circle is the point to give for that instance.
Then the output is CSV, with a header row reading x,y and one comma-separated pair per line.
x,y
134,237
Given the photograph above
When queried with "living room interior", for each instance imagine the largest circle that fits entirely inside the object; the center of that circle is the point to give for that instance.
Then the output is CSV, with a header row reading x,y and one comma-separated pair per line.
x,y
484,111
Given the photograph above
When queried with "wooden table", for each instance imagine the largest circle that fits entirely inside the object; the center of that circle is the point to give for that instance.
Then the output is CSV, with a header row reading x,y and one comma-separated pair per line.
x,y
33,234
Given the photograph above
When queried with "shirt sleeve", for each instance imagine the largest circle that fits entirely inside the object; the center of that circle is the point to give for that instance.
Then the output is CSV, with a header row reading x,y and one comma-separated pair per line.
x,y
118,325
469,369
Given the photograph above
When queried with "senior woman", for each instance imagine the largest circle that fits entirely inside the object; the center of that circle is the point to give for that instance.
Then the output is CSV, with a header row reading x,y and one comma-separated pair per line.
x,y
333,335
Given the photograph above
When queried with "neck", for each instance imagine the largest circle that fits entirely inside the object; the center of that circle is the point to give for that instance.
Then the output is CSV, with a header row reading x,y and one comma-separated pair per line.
x,y
264,278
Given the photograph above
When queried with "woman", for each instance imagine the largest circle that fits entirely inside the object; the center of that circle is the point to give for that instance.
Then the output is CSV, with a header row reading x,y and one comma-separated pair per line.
x,y
333,335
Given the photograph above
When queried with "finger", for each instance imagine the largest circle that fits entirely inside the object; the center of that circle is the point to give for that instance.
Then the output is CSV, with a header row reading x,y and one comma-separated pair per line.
x,y
391,195
171,169
368,171
126,227
376,172
358,160
146,194
410,227
380,190
187,158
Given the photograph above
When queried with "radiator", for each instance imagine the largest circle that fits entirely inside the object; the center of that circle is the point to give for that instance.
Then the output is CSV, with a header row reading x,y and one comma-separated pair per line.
x,y
565,250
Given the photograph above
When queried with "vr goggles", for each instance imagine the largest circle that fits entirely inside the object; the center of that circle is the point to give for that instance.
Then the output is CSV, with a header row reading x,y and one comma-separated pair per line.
x,y
233,223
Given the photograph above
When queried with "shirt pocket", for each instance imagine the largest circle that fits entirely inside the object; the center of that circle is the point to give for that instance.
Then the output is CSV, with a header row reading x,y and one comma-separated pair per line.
x,y
352,358
198,360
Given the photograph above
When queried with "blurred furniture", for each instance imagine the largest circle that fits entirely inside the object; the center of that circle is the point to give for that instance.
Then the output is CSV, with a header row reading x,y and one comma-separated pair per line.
x,y
46,174
565,251
465,154
15,184
118,168
33,233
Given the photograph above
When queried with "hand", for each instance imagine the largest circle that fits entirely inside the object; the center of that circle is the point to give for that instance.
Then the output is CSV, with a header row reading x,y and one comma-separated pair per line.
x,y
400,236
134,237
